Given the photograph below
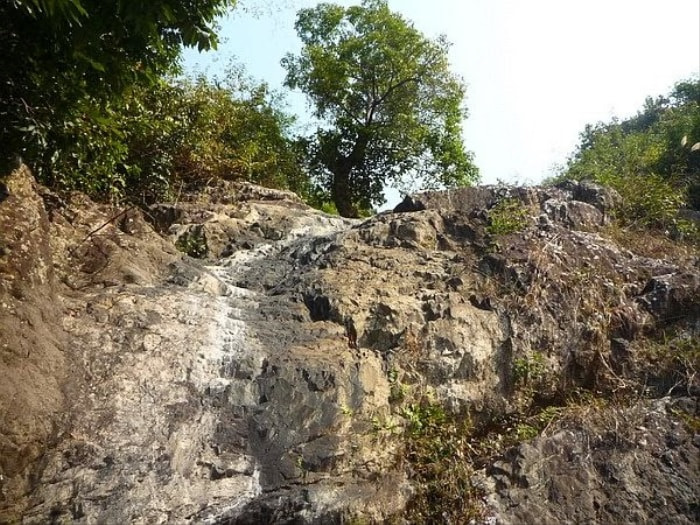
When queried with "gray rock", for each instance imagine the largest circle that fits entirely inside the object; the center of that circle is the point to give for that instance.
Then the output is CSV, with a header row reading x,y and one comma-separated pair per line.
x,y
150,387
576,205
605,199
624,465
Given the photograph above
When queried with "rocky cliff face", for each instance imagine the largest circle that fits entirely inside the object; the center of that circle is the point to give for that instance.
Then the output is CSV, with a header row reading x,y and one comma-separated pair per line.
x,y
514,362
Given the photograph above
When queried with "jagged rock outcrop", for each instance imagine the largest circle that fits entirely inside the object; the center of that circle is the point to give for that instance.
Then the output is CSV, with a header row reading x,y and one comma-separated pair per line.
x,y
623,465
148,386
33,364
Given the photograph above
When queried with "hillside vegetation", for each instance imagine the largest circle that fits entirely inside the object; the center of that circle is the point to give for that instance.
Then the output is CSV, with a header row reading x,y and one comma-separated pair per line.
x,y
652,159
98,103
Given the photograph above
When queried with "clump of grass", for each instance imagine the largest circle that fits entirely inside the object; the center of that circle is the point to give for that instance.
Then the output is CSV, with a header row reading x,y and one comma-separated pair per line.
x,y
653,243
529,370
532,426
670,362
444,450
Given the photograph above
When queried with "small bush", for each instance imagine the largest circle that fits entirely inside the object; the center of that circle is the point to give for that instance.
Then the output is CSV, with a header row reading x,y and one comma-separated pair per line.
x,y
671,361
193,243
437,448
529,370
647,200
234,132
508,216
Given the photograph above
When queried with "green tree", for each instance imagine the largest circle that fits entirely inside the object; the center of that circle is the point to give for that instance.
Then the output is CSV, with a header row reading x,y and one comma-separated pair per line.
x,y
65,61
390,104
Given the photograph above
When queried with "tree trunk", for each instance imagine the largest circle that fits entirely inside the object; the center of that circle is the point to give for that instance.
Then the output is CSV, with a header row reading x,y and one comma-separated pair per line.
x,y
341,192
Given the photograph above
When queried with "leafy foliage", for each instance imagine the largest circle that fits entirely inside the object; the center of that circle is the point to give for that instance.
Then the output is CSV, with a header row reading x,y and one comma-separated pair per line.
x,y
652,158
67,63
235,131
508,216
391,105
177,134
439,451
193,242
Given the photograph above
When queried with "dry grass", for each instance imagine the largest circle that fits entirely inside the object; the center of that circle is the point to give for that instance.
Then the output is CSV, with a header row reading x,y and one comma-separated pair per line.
x,y
652,243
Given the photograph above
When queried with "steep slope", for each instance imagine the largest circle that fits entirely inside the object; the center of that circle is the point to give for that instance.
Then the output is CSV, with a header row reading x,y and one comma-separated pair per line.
x,y
513,362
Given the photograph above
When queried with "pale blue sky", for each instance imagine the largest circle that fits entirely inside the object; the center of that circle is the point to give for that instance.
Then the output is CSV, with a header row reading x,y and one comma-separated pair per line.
x,y
537,71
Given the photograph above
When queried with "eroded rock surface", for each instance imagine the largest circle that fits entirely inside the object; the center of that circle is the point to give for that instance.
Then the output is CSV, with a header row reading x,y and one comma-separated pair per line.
x,y
147,386
33,363
627,465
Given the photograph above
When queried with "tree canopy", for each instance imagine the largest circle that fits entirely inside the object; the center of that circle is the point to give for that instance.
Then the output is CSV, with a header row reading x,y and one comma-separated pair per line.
x,y
92,100
389,104
62,55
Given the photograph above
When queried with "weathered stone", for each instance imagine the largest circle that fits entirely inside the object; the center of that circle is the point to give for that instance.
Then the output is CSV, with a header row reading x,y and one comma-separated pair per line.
x,y
33,365
573,214
672,295
605,199
622,465
575,205
463,199
148,386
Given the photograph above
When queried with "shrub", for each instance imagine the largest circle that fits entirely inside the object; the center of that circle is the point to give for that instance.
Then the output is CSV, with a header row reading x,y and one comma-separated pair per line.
x,y
234,132
176,133
193,242
647,200
507,216
438,449
651,159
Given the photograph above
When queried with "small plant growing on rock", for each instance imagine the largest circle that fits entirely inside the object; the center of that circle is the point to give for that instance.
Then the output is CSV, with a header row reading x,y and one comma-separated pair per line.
x,y
398,390
193,243
384,425
529,370
691,421
534,425
438,450
533,381
526,432
508,216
